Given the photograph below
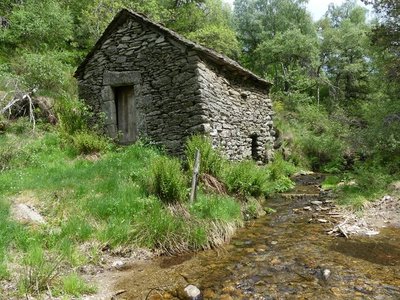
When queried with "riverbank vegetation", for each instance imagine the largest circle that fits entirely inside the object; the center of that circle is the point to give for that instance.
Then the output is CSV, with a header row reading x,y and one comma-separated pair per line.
x,y
336,96
130,197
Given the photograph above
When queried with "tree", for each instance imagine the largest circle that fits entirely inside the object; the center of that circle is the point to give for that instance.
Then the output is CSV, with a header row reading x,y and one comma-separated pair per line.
x,y
386,34
279,42
38,25
344,52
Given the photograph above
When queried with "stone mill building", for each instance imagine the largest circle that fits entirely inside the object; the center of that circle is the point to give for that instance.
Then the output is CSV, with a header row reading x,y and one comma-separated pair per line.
x,y
151,82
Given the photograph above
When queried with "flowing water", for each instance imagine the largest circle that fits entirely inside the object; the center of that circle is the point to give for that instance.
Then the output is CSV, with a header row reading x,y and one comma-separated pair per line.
x,y
284,255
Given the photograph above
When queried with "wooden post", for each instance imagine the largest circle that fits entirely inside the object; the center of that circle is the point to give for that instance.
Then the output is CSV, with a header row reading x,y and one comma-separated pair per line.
x,y
196,170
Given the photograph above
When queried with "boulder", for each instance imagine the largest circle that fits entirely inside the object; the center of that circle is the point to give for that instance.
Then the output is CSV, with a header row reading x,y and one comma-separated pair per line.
x,y
26,214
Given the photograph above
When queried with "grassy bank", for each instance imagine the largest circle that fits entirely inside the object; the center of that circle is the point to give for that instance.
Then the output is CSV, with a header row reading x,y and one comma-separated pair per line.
x,y
129,197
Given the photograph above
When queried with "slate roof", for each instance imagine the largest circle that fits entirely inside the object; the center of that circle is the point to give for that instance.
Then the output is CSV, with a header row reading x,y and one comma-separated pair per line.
x,y
206,53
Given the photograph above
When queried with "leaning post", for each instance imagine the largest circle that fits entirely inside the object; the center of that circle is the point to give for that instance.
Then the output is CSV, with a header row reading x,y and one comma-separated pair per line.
x,y
195,177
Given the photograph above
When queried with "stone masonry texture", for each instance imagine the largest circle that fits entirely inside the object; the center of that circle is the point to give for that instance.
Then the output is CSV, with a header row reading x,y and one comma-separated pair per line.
x,y
178,92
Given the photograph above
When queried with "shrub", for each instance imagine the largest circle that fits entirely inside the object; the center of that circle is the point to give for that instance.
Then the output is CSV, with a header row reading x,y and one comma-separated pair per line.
x,y
246,178
320,140
73,116
211,160
279,167
252,209
166,180
44,71
167,230
86,142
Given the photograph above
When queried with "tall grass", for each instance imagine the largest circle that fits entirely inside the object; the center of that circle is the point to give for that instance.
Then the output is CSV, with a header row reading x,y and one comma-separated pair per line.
x,y
132,196
211,162
246,178
166,180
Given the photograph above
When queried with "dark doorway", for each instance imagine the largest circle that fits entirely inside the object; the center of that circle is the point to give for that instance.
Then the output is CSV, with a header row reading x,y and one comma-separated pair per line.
x,y
126,114
254,146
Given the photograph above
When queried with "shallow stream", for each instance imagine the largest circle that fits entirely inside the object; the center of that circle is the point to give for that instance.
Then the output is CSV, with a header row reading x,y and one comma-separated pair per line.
x,y
285,255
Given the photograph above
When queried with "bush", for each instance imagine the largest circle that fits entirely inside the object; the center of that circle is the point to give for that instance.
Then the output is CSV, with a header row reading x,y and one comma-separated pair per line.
x,y
86,142
279,167
45,71
166,180
320,140
73,116
246,178
211,160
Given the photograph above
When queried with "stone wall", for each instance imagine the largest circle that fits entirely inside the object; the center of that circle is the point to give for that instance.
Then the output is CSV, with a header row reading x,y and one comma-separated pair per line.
x,y
176,93
238,113
163,75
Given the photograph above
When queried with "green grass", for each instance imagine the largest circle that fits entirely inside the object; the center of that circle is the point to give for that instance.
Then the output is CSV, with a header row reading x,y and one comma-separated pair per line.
x,y
367,182
73,284
211,161
132,196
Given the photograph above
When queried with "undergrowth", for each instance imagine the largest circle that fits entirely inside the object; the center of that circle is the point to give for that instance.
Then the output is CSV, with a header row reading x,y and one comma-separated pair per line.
x,y
131,196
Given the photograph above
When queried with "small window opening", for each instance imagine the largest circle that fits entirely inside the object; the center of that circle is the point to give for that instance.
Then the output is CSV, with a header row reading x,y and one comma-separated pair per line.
x,y
254,146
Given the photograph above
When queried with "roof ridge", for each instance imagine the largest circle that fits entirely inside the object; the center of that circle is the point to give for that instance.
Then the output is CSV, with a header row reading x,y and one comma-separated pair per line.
x,y
208,53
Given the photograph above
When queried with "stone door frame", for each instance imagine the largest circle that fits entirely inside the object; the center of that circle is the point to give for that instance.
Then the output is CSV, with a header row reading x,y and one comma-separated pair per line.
x,y
112,79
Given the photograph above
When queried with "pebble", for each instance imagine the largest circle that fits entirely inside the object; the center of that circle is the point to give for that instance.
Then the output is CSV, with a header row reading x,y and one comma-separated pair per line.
x,y
118,264
326,273
307,208
322,221
387,198
316,202
191,292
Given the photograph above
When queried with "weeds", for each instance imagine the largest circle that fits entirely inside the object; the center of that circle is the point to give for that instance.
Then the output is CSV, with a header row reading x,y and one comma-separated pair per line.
x,y
217,207
86,142
40,271
211,161
246,178
73,284
166,180
130,196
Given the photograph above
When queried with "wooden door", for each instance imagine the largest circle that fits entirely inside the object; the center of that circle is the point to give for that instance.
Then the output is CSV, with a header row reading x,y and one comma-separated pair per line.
x,y
126,114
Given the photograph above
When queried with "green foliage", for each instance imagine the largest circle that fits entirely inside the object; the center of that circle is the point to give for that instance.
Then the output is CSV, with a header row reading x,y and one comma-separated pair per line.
x,y
73,116
252,209
8,232
217,207
77,229
381,138
344,48
367,182
86,142
44,71
40,270
246,178
280,168
75,285
211,161
38,25
259,23
320,139
220,38
330,182
166,180
157,227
